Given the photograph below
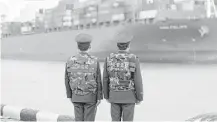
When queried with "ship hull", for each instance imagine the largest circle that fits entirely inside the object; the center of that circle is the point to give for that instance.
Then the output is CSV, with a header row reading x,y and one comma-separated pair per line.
x,y
171,41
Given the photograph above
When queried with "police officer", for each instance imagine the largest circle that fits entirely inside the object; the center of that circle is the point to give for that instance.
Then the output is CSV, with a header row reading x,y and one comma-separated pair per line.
x,y
83,80
122,80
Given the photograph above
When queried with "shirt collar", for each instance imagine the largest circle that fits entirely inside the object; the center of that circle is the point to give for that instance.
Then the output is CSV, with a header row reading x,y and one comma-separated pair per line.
x,y
123,51
83,53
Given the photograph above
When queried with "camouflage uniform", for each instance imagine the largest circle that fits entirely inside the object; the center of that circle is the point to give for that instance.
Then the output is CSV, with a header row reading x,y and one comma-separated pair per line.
x,y
83,82
122,82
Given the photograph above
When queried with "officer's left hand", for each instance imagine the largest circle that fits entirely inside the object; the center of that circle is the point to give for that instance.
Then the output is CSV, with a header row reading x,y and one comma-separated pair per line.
x,y
70,99
108,101
98,102
138,102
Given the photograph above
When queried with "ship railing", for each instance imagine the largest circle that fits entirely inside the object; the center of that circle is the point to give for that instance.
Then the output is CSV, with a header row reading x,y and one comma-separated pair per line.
x,y
39,30
5,35
85,26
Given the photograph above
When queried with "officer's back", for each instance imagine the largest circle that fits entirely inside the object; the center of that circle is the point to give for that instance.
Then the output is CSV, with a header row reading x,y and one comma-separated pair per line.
x,y
83,80
122,81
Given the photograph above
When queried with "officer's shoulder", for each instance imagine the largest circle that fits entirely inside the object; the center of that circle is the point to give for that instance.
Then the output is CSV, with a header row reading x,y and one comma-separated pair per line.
x,y
131,55
112,54
71,58
93,57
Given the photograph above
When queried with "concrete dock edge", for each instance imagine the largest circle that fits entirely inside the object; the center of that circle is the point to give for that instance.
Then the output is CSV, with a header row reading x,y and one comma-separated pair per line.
x,y
28,114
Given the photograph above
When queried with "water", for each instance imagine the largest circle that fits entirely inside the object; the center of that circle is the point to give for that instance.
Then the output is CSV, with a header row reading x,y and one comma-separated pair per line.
x,y
171,92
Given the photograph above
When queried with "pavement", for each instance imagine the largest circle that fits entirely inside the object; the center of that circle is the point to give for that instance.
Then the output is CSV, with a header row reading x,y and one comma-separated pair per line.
x,y
8,119
171,92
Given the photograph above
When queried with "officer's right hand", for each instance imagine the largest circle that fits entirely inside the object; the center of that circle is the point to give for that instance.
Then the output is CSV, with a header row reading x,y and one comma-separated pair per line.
x,y
98,102
138,102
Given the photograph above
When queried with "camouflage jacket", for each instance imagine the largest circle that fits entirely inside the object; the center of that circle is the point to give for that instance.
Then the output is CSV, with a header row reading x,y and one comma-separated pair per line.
x,y
82,76
122,74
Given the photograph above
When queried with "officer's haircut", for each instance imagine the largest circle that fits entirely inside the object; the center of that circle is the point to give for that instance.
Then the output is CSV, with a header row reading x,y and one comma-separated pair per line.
x,y
83,46
123,46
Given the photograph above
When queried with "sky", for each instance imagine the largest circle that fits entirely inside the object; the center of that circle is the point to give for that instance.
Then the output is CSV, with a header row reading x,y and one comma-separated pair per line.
x,y
24,8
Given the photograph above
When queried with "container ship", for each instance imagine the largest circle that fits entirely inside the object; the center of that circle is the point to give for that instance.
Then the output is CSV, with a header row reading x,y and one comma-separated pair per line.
x,y
170,31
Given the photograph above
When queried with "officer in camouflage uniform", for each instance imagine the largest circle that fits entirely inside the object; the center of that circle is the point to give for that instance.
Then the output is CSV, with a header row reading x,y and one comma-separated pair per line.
x,y
83,81
122,80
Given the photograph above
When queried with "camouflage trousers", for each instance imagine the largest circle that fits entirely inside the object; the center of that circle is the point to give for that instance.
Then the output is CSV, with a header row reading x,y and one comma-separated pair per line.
x,y
122,111
85,111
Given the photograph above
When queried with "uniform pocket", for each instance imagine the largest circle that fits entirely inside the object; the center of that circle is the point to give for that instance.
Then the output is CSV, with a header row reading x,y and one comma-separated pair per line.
x,y
132,67
73,85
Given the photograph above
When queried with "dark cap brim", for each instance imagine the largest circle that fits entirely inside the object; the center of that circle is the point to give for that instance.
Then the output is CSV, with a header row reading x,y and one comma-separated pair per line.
x,y
83,38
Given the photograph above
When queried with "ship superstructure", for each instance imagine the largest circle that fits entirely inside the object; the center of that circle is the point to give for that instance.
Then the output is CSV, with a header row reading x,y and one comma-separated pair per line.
x,y
164,30
76,15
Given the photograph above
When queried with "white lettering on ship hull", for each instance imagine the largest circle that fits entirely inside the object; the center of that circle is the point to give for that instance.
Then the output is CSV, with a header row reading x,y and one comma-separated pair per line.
x,y
173,27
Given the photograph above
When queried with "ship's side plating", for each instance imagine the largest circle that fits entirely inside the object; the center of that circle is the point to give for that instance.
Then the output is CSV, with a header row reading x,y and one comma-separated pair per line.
x,y
179,40
175,40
